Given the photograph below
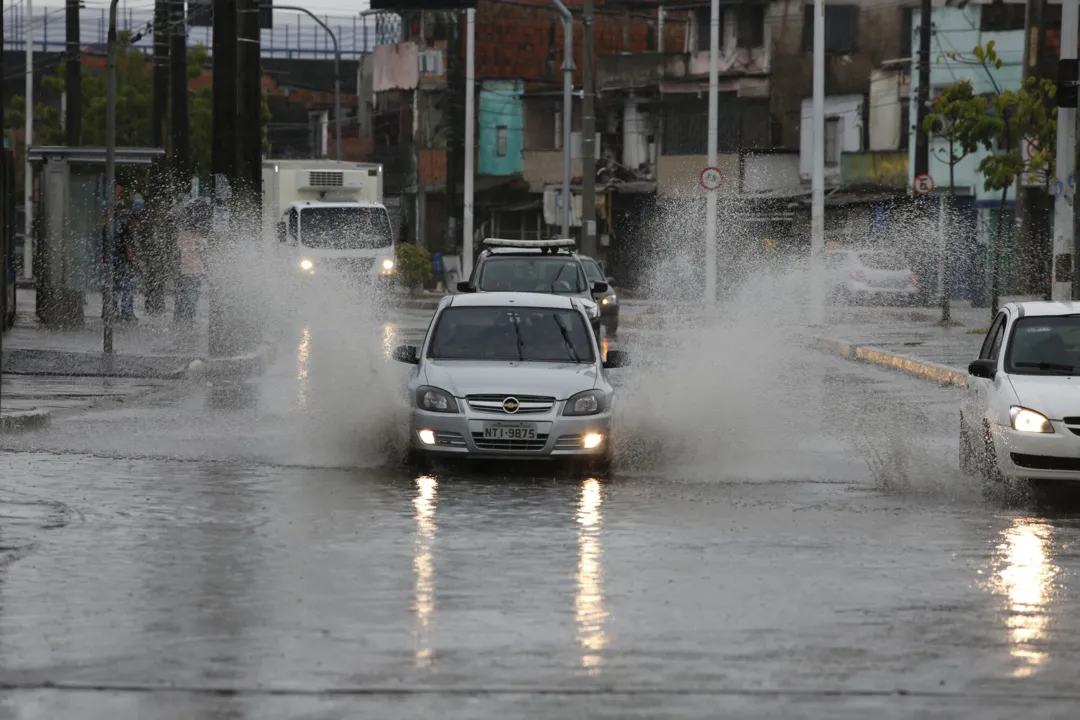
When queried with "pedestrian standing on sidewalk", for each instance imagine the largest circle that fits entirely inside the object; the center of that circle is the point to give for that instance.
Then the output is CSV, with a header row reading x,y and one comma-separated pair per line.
x,y
191,241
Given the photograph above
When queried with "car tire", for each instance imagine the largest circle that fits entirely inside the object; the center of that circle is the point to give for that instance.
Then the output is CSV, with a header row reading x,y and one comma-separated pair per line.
x,y
612,326
987,464
415,461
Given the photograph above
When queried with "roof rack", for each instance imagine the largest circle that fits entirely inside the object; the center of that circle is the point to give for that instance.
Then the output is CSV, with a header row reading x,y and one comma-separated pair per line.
x,y
557,243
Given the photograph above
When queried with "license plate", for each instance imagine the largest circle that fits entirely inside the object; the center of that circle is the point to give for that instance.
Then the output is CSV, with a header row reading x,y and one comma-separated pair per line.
x,y
509,431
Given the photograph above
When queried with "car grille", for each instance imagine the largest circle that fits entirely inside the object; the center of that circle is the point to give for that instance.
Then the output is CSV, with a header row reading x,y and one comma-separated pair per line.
x,y
569,442
527,404
511,445
1046,462
352,265
449,439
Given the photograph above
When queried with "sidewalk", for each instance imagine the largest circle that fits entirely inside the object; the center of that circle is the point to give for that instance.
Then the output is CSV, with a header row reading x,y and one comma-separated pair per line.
x,y
909,340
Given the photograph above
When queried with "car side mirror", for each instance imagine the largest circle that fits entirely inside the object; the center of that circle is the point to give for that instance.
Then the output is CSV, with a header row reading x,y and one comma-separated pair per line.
x,y
617,359
281,232
406,354
599,287
983,369
465,286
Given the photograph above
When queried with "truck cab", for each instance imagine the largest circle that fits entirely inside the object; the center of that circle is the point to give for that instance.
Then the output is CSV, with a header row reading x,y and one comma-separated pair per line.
x,y
327,217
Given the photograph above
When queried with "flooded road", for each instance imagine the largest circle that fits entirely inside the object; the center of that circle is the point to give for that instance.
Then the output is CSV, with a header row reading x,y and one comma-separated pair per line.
x,y
249,552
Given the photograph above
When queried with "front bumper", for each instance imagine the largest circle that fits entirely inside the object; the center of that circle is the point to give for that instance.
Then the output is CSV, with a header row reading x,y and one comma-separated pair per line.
x,y
1039,456
462,435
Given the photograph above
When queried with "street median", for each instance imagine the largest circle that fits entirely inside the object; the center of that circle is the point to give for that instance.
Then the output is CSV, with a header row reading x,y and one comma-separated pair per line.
x,y
874,356
24,420
241,367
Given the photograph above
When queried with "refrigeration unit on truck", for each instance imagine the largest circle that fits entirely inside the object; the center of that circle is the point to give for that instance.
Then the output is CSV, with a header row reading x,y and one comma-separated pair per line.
x,y
328,216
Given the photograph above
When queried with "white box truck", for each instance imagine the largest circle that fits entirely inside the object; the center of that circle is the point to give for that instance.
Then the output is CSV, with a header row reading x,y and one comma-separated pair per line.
x,y
327,216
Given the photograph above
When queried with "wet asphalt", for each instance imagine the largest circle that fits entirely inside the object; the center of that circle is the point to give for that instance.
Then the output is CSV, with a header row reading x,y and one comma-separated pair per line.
x,y
250,552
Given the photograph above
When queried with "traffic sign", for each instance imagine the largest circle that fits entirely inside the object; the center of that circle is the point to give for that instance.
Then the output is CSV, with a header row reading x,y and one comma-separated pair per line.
x,y
923,184
1032,146
1059,188
711,178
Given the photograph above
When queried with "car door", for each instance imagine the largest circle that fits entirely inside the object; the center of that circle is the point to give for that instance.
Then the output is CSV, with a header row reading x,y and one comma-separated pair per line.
x,y
979,393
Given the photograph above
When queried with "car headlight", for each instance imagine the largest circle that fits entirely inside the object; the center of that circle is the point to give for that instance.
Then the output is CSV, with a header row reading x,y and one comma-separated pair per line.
x,y
610,300
589,402
1029,421
387,265
592,309
433,399
306,264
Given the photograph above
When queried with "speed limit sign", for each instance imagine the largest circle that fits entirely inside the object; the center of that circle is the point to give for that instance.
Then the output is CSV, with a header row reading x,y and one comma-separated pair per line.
x,y
711,178
923,184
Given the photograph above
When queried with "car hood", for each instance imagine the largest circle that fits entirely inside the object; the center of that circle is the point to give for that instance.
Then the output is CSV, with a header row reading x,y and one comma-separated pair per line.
x,y
1053,396
469,377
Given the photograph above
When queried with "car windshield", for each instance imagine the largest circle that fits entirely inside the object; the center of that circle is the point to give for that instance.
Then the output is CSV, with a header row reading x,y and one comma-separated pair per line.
x,y
532,274
592,270
345,228
1044,346
511,333
882,261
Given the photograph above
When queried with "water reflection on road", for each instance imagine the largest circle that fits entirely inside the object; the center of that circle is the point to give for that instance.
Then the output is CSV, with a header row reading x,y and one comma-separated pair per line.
x,y
427,489
589,606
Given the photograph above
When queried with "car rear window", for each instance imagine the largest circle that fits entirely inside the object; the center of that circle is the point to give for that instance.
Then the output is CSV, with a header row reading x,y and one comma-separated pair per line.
x,y
551,274
882,261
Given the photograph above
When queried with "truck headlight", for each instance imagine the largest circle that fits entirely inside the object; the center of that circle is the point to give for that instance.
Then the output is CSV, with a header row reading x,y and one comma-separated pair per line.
x,y
306,265
387,266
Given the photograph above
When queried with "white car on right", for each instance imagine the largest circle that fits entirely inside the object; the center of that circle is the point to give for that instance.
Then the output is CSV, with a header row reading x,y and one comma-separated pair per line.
x,y
1020,417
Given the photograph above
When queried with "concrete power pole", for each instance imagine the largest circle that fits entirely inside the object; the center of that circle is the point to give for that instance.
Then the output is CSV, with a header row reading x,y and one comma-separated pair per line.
x,y
161,73
226,338
1032,211
178,71
588,135
73,85
1064,260
249,104
922,141
817,197
28,139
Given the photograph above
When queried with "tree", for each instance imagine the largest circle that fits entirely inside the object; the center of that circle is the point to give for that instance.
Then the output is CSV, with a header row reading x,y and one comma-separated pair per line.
x,y
133,105
957,116
1005,120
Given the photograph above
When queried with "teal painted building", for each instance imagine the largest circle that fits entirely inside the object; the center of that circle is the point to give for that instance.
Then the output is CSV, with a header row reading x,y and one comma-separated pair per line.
x,y
500,119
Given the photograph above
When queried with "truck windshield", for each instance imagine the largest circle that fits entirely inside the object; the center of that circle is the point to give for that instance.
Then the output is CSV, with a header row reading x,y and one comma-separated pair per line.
x,y
345,228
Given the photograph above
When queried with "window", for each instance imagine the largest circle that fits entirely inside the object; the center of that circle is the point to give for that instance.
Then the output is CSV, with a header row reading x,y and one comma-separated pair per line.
x,y
841,25
500,140
702,17
1044,346
751,30
992,343
528,334
832,142
906,30
525,273
337,227
1001,17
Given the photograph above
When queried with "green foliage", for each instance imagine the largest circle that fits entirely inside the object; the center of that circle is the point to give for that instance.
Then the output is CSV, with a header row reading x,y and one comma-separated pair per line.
x,y
413,264
958,116
134,105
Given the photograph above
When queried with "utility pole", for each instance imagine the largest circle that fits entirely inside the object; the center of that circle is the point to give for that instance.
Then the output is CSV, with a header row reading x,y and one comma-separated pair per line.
x,y
1032,213
922,140
714,114
568,112
455,136
470,140
1064,261
28,139
817,197
110,185
73,121
161,73
588,132
249,104
181,147
337,69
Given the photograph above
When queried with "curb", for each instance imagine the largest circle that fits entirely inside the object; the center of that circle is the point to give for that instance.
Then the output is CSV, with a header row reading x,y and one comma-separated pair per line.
x,y
240,367
24,420
919,368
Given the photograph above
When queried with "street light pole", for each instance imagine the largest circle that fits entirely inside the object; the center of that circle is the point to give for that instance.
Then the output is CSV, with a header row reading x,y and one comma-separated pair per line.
x,y
817,204
337,67
714,112
1065,164
110,182
28,171
568,109
470,141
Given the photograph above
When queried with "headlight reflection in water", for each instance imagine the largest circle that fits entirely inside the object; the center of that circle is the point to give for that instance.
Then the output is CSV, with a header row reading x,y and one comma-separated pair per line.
x,y
424,566
589,606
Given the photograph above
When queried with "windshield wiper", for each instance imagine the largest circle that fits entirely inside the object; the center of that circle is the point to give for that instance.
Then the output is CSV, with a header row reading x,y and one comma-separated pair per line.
x,y
566,338
557,276
520,342
1057,367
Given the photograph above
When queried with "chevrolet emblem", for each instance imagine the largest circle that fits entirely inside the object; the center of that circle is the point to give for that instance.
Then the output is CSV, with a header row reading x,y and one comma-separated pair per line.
x,y
511,405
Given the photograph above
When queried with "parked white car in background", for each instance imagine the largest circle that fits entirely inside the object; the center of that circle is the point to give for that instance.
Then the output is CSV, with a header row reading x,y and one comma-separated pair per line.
x,y
874,277
1020,416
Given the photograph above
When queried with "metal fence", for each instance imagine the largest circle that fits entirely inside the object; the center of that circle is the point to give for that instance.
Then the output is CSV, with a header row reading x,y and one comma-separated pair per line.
x,y
293,36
